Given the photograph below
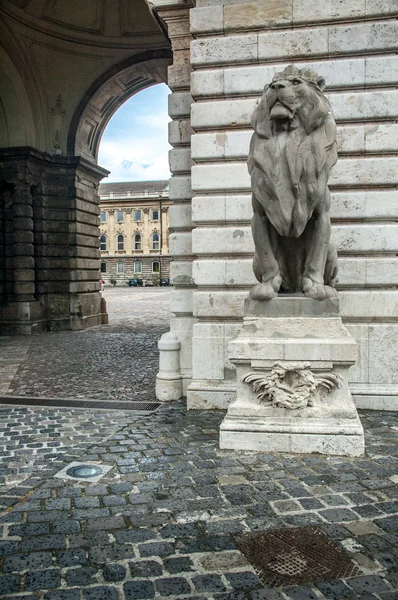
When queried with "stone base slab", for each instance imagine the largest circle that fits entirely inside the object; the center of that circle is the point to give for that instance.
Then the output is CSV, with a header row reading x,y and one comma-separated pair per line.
x,y
344,439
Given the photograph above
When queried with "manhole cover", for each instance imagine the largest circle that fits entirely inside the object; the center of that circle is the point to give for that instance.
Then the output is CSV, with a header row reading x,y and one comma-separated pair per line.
x,y
295,555
84,471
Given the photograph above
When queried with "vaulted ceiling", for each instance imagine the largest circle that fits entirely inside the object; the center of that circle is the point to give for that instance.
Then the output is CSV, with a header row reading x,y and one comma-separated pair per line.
x,y
56,54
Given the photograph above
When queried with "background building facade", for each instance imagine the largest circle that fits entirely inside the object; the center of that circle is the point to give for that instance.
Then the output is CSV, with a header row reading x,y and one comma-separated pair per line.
x,y
134,239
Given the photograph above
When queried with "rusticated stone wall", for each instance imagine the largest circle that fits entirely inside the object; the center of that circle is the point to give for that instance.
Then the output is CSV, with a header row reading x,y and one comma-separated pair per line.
x,y
238,46
50,208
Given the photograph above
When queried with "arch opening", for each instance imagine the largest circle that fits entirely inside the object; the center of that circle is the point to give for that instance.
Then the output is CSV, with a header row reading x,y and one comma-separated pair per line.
x,y
107,94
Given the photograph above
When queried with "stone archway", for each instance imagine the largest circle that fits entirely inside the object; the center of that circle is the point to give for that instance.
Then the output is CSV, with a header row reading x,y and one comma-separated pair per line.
x,y
108,93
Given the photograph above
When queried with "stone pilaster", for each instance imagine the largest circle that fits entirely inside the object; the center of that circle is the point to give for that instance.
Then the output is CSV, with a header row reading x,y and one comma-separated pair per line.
x,y
175,15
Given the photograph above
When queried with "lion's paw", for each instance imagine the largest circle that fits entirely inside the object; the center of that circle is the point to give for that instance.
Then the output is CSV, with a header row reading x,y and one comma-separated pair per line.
x,y
267,289
320,292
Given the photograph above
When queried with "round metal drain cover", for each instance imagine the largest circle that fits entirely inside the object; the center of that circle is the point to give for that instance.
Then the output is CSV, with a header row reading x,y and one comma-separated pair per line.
x,y
83,471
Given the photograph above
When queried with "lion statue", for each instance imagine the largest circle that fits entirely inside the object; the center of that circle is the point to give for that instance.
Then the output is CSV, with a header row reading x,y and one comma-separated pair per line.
x,y
292,151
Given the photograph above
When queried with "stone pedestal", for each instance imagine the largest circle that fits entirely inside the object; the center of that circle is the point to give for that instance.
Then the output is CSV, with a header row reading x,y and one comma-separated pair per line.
x,y
292,357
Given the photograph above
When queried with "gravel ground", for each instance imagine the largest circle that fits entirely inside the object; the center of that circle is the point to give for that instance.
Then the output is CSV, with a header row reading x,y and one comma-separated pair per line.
x,y
109,362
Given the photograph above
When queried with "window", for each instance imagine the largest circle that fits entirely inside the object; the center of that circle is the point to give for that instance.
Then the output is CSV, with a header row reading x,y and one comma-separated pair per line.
x,y
103,216
103,242
119,216
138,267
137,242
120,242
120,267
155,241
155,215
103,267
156,267
137,215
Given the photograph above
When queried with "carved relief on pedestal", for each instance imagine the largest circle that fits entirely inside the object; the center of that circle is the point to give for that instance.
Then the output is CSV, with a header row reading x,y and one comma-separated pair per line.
x,y
290,385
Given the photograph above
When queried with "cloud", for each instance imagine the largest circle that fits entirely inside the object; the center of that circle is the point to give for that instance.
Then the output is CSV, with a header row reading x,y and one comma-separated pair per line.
x,y
135,145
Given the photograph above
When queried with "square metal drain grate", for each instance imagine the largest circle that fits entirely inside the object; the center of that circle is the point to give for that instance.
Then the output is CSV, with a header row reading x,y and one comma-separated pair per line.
x,y
296,555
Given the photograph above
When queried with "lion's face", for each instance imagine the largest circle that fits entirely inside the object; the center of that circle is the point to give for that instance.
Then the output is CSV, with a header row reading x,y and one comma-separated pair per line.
x,y
287,96
294,99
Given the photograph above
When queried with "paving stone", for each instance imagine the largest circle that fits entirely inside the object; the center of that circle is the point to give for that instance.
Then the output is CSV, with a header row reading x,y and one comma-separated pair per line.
x,y
42,580
80,577
70,558
117,522
334,590
63,595
89,539
267,594
244,580
208,583
29,529
367,511
118,488
96,489
156,549
235,595
178,565
8,547
101,593
114,572
134,536
137,590
58,504
389,524
22,562
9,584
301,593
44,542
368,584
181,531
172,586
338,515
145,568
66,527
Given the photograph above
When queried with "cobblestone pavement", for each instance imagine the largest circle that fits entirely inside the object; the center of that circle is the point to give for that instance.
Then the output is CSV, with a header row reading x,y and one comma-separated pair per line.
x,y
161,523
109,362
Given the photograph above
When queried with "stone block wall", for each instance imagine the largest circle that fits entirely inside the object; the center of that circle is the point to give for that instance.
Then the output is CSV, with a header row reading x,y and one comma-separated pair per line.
x,y
51,275
237,48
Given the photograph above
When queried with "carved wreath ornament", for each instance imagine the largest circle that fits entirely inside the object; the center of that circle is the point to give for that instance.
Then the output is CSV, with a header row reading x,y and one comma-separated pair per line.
x,y
290,385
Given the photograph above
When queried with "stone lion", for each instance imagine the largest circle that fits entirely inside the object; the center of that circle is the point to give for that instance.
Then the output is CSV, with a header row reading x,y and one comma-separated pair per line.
x,y
292,151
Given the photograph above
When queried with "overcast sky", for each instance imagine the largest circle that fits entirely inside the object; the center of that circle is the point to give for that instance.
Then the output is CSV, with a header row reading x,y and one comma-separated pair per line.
x,y
134,146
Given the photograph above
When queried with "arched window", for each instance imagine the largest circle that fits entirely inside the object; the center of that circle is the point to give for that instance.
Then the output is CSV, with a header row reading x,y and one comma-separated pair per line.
x,y
156,266
103,242
137,241
120,242
155,241
138,267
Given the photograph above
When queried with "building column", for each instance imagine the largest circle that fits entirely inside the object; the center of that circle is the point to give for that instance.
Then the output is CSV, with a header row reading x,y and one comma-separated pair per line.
x,y
175,15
